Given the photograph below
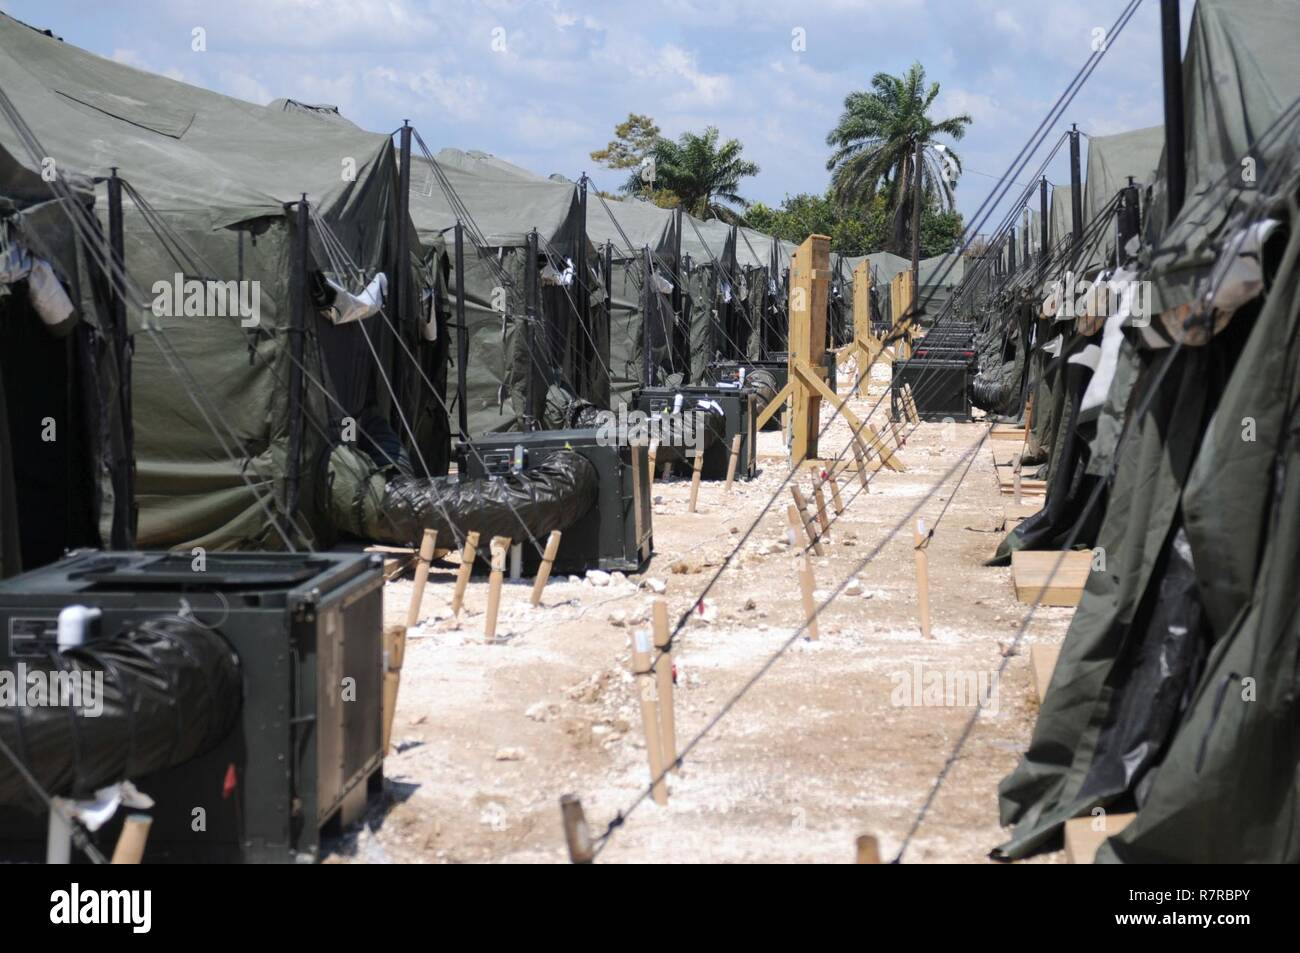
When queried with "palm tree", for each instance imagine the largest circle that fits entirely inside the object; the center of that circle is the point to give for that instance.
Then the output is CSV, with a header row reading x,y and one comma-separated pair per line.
x,y
700,173
876,143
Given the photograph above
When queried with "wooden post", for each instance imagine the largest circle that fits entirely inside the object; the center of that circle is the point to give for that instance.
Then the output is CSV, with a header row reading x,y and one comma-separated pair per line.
x,y
804,568
796,524
499,546
921,539
820,497
576,833
664,681
427,543
467,557
802,506
1017,482
809,298
394,652
835,495
860,459
696,470
130,843
731,464
654,452
649,717
544,570
868,850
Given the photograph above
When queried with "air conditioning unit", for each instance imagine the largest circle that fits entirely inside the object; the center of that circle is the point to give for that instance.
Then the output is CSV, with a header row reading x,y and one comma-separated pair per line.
x,y
305,752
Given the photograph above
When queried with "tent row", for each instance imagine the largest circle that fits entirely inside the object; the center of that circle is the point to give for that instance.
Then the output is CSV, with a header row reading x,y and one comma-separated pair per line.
x,y
271,313
1153,343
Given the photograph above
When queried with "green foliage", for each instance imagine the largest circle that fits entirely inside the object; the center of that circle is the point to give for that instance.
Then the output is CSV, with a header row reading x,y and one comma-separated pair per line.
x,y
633,140
702,174
875,143
856,230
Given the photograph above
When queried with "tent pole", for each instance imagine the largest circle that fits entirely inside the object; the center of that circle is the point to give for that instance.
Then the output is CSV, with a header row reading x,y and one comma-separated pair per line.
x,y
586,341
681,335
1129,219
1024,231
297,326
647,299
462,338
1076,186
531,295
125,511
916,225
1043,238
1175,136
607,276
402,280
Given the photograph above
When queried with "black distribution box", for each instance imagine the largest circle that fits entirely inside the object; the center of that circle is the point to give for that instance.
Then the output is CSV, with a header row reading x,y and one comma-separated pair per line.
x,y
941,389
305,754
617,532
725,412
733,372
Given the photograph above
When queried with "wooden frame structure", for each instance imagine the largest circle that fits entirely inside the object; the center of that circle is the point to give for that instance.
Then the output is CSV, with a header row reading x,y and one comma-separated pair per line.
x,y
865,346
806,385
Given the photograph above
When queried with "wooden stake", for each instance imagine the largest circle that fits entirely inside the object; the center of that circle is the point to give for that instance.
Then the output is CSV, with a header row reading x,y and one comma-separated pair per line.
x,y
654,452
499,546
731,464
696,470
802,506
823,520
467,557
649,716
860,459
394,652
576,833
804,567
796,524
1017,483
664,682
130,843
921,538
544,570
835,496
427,543
868,850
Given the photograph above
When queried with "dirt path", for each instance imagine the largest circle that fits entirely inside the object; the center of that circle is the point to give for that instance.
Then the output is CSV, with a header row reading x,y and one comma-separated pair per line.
x,y
830,744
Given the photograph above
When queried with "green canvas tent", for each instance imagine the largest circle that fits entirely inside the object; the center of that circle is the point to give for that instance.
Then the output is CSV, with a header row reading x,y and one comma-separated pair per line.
x,y
1175,693
233,414
626,232
515,359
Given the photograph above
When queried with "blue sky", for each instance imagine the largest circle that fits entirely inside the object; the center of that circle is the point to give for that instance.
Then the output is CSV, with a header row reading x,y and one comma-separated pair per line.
x,y
543,82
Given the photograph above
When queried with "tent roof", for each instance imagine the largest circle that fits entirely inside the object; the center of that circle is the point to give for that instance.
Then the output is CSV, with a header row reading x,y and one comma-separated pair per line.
x,y
504,201
183,147
1112,159
641,222
1059,221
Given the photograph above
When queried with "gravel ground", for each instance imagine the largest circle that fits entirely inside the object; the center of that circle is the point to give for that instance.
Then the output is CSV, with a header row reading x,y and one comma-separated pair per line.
x,y
841,736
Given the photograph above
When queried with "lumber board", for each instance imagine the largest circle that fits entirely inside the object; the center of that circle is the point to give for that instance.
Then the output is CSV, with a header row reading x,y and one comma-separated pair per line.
x,y
1082,839
1005,454
1064,578
1013,514
1043,660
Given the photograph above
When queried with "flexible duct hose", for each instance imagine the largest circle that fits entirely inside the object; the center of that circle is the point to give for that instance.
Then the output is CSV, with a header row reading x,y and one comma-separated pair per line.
x,y
156,695
374,505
